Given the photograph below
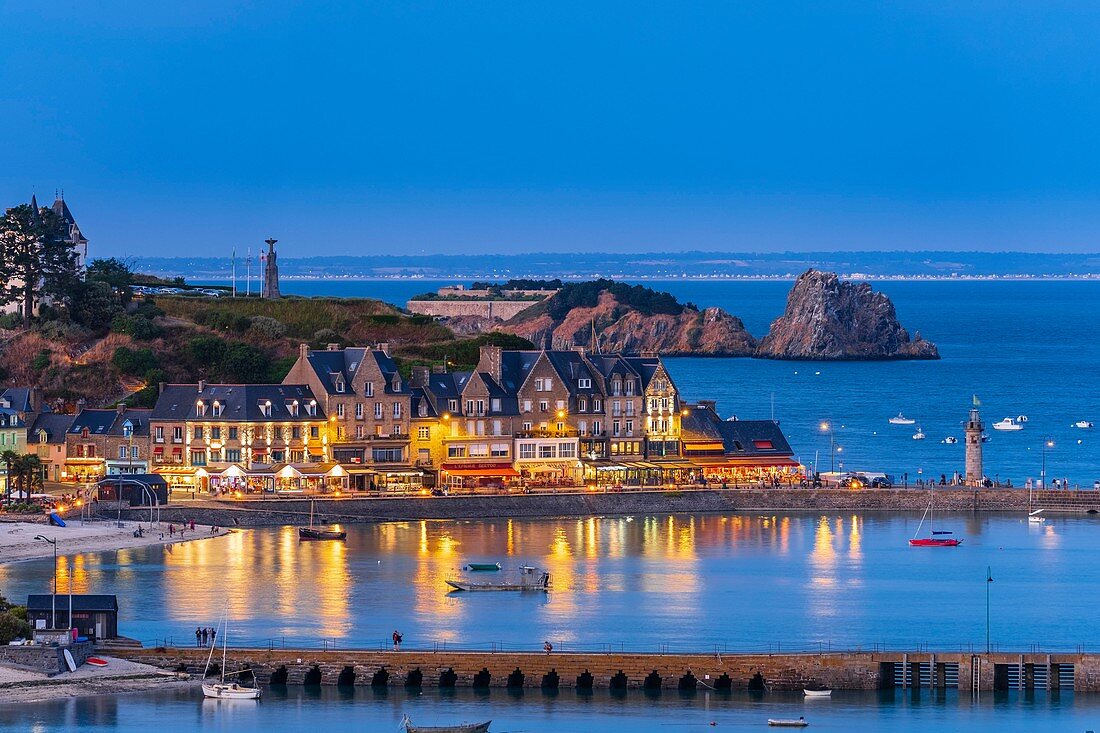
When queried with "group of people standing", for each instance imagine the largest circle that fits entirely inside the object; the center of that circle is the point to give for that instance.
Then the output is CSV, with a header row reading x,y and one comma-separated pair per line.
x,y
203,636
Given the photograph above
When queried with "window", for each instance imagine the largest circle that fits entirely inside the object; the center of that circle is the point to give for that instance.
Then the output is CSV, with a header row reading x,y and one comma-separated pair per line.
x,y
232,433
548,451
217,409
177,435
339,385
215,456
277,456
158,433
311,408
494,404
377,410
629,387
456,451
314,431
527,450
538,385
265,408
395,431
630,407
615,428
595,427
358,431
198,458
233,455
763,444
582,405
134,452
297,456
215,433
396,410
358,410
617,387
584,384
198,433
121,451
339,432
497,427
469,407
479,450
340,410
567,450
452,405
544,406
292,408
481,407
424,433
582,427
498,450
629,427
526,427
368,389
596,406
527,405
200,408
127,429
388,455
549,384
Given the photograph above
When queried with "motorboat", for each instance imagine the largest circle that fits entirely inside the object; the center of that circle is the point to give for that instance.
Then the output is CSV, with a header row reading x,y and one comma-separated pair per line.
x,y
529,579
224,690
935,538
986,438
799,722
482,567
950,440
902,420
1035,517
1008,424
409,727
1083,424
1021,418
311,533
919,435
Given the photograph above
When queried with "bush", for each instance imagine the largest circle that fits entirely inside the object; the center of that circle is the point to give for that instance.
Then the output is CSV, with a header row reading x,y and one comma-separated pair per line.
x,y
139,327
12,627
244,364
327,336
11,321
41,360
133,361
147,308
271,328
222,320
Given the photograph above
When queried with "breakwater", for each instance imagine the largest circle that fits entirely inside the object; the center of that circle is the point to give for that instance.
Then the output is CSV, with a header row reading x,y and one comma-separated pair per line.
x,y
621,671
282,511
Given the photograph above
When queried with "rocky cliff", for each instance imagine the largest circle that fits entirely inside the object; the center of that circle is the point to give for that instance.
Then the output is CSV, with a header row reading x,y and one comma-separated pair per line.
x,y
829,319
624,328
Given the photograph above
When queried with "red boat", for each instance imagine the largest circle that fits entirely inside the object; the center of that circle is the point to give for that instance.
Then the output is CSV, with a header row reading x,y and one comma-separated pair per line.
x,y
96,661
934,542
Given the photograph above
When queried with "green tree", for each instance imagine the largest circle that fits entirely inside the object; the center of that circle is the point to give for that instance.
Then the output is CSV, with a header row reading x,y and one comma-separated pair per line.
x,y
9,458
36,261
112,271
94,305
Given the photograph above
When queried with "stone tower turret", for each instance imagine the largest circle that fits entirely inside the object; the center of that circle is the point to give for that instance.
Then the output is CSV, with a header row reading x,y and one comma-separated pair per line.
x,y
974,469
271,271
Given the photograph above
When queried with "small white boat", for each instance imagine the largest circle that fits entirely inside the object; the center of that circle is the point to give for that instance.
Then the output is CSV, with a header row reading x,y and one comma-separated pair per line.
x,y
529,579
226,690
1008,424
902,420
1034,517
1021,418
787,722
950,440
1083,424
460,728
919,435
986,438
817,691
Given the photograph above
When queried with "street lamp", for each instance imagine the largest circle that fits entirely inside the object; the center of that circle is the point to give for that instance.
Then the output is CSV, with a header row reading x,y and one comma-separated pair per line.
x,y
1047,443
53,602
988,582
827,427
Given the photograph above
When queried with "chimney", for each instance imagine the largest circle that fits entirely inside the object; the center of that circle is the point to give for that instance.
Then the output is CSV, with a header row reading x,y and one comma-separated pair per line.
x,y
419,377
202,385
120,408
303,351
439,369
489,360
579,349
711,405
384,347
333,347
34,397
160,387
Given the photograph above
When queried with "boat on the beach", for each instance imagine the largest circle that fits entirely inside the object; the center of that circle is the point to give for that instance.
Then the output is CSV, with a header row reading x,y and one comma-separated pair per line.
x,y
1083,424
1009,424
409,727
529,579
482,567
311,533
902,420
225,690
799,722
935,538
96,661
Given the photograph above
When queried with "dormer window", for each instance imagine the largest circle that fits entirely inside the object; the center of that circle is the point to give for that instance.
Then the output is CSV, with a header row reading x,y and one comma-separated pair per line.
x,y
200,408
311,408
265,408
339,383
584,384
396,382
292,408
216,409
42,437
368,389
127,429
629,387
84,433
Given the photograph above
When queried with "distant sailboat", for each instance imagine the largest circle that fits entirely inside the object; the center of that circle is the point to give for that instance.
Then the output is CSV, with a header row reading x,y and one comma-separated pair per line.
x,y
934,539
902,420
309,533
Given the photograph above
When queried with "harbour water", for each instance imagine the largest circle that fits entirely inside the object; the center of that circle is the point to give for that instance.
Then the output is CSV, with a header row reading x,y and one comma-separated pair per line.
x,y
297,709
1024,348
785,582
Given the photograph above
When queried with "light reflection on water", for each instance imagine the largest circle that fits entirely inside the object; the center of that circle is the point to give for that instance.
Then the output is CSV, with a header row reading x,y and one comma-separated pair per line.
x,y
744,580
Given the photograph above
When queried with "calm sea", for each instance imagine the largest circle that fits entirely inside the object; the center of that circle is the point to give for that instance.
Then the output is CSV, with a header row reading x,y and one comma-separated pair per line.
x,y
1024,348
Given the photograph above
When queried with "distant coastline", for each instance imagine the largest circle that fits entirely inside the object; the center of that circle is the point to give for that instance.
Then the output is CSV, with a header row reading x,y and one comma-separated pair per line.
x,y
687,278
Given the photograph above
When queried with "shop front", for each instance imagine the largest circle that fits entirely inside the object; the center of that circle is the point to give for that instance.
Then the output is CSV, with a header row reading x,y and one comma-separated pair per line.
x,y
322,478
398,479
748,471
485,476
83,470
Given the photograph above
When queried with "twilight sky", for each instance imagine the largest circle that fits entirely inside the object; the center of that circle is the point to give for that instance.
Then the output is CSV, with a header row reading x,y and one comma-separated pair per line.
x,y
404,127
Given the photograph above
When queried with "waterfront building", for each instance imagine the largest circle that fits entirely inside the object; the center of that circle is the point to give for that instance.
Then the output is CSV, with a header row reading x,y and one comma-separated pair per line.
x,y
369,408
105,442
734,451
47,440
242,437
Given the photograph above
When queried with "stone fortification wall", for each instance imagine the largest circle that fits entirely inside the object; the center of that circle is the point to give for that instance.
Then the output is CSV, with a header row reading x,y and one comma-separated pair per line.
x,y
47,659
502,309
267,512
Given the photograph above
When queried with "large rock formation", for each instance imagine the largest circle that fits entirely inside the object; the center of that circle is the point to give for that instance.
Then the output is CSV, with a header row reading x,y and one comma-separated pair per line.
x,y
621,328
829,319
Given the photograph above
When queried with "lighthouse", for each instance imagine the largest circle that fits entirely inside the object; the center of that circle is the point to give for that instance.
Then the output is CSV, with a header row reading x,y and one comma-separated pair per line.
x,y
974,473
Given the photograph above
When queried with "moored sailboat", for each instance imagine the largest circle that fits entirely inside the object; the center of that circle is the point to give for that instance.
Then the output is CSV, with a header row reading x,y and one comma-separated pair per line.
x,y
935,538
309,533
226,690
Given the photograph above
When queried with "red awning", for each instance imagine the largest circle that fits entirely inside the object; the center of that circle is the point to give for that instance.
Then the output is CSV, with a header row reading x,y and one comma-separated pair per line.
x,y
760,462
158,450
501,472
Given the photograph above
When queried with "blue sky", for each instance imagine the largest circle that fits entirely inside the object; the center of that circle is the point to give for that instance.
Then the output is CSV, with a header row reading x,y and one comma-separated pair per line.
x,y
369,127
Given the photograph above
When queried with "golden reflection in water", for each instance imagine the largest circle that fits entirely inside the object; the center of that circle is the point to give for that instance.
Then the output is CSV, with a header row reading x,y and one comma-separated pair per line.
x,y
855,539
785,536
511,550
1049,539
823,556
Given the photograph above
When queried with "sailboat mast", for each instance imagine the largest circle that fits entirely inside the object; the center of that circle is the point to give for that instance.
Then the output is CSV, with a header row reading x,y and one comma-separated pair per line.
x,y
225,635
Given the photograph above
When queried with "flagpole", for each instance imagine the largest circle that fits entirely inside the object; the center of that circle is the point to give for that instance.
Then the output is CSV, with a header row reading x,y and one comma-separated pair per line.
x,y
234,272
248,277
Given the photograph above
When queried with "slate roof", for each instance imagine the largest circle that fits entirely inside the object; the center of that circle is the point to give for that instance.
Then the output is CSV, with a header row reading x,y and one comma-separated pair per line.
x,y
97,422
571,366
18,399
422,396
741,438
81,602
347,362
54,425
240,402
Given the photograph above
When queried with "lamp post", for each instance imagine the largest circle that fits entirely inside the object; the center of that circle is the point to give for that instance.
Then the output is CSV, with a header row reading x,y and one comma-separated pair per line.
x,y
53,601
827,427
988,582
1047,443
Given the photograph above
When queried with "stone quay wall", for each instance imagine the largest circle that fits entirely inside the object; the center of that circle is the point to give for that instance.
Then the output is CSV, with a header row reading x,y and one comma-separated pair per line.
x,y
47,659
502,309
426,668
268,512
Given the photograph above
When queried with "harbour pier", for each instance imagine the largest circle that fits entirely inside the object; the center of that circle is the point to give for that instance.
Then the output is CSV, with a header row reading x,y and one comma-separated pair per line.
x,y
720,672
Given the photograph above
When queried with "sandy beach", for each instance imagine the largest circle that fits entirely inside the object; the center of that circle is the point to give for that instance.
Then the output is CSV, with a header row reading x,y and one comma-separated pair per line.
x,y
17,538
120,675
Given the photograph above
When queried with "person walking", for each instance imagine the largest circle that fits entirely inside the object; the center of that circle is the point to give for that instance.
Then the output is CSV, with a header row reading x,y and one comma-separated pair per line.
x,y
198,637
396,640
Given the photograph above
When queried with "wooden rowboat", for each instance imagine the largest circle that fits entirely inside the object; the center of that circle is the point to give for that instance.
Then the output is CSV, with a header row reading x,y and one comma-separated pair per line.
x,y
460,728
787,722
96,661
